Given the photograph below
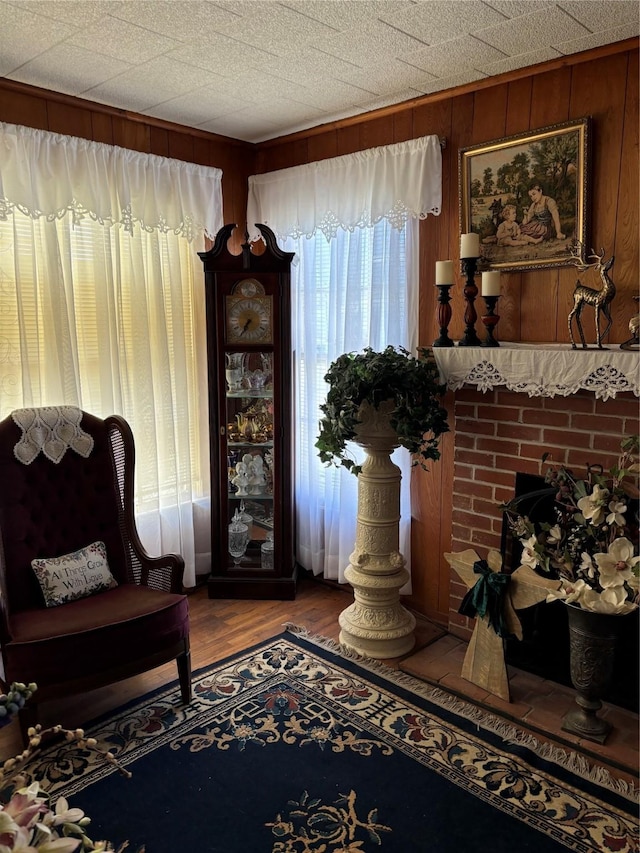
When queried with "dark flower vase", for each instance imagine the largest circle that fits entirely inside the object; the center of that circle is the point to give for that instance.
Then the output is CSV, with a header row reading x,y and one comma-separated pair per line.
x,y
592,638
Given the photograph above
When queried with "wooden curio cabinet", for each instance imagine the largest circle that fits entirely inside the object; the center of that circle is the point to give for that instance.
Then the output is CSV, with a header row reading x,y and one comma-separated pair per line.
x,y
250,413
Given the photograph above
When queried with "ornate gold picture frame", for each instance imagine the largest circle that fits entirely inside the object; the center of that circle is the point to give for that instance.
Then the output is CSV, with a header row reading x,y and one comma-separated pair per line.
x,y
526,195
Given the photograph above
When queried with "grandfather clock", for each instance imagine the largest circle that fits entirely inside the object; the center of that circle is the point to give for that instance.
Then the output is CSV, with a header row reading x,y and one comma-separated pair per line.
x,y
248,317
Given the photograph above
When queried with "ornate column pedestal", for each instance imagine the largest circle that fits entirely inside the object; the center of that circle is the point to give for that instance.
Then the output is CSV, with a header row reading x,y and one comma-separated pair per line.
x,y
376,624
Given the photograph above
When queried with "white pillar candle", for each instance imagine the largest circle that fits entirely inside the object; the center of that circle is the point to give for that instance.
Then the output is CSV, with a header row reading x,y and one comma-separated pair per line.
x,y
444,272
491,283
470,245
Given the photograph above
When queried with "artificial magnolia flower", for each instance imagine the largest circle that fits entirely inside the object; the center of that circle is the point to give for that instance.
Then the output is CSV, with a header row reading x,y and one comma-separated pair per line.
x,y
616,566
617,510
588,541
592,506
554,535
613,601
529,556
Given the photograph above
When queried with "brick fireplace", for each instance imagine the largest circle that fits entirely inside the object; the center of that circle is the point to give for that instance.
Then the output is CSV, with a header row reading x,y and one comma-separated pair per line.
x,y
499,433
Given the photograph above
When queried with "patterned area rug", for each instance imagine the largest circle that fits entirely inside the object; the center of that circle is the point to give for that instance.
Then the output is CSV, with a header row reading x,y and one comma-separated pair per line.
x,y
294,746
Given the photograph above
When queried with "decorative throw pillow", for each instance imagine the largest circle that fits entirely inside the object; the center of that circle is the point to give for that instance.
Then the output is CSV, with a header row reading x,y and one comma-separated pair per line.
x,y
75,575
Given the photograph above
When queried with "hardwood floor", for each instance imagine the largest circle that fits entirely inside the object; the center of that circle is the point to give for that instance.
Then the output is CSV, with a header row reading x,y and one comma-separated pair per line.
x,y
220,628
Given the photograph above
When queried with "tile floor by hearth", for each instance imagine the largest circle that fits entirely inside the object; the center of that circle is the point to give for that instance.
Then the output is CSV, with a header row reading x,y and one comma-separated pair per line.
x,y
537,705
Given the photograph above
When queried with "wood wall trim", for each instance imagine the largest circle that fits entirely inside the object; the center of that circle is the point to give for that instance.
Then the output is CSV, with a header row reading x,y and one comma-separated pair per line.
x,y
446,94
95,107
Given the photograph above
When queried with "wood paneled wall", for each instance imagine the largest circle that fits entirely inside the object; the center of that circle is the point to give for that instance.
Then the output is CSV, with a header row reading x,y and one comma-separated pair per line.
x,y
39,108
602,83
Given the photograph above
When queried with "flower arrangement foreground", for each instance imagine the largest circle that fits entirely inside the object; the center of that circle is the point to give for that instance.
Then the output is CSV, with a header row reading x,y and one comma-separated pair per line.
x,y
591,546
29,823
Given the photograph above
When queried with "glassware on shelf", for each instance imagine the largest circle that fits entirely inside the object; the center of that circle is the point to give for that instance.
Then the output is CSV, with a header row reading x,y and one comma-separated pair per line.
x,y
244,516
238,538
267,368
234,370
266,552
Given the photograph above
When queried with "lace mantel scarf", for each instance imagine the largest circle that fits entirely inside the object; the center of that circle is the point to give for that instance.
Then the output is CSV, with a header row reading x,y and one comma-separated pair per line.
x,y
51,430
541,370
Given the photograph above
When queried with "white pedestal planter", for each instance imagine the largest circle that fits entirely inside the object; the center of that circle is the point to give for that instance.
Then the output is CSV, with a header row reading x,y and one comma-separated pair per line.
x,y
376,624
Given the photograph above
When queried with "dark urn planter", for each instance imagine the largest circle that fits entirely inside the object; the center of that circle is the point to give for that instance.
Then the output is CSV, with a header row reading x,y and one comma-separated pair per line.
x,y
592,638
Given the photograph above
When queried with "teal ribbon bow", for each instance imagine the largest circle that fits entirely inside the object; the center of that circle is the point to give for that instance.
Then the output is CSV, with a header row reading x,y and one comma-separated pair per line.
x,y
486,596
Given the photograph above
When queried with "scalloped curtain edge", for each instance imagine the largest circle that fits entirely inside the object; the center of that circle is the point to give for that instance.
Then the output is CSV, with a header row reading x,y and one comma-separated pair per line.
x,y
50,175
393,182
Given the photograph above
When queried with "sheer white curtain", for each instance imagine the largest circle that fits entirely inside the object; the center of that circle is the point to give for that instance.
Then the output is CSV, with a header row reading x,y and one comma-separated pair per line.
x,y
102,306
353,223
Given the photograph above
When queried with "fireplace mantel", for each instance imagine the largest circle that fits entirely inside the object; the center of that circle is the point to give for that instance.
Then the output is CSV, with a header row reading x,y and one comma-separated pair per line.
x,y
541,370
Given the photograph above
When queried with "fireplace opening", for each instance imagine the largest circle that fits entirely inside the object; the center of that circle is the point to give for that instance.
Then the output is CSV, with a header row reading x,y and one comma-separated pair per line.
x,y
544,648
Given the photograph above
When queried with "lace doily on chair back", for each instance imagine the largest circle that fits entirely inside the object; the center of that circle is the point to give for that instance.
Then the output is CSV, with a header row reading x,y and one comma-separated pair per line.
x,y
51,430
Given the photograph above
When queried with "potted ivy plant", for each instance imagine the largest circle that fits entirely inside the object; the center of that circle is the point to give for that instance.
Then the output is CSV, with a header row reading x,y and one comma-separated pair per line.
x,y
411,383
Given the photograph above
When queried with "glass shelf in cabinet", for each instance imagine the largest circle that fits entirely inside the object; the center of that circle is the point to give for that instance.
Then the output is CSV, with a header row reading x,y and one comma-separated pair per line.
x,y
257,444
251,395
238,497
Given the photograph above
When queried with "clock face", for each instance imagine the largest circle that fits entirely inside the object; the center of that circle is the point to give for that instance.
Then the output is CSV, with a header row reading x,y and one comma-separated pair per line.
x,y
249,319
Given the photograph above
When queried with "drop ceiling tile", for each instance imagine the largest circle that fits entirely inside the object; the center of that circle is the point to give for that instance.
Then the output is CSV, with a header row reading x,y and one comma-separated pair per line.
x,y
257,87
454,80
197,107
68,69
277,33
242,125
602,15
292,112
626,31
333,95
78,13
221,55
346,14
514,8
368,42
122,40
154,82
304,65
389,75
391,100
511,63
239,8
442,20
452,57
182,20
548,26
24,37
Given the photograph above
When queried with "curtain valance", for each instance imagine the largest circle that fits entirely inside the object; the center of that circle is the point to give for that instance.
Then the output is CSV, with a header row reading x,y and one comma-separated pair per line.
x,y
393,182
48,175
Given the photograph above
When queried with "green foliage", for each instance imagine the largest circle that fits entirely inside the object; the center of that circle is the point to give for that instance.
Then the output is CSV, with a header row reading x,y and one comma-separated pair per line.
x,y
412,383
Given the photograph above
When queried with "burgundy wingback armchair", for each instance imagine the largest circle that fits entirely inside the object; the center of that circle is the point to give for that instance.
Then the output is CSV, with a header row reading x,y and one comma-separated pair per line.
x,y
52,508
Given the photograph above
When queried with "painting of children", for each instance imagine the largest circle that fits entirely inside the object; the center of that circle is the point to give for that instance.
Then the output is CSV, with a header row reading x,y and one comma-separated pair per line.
x,y
525,196
509,232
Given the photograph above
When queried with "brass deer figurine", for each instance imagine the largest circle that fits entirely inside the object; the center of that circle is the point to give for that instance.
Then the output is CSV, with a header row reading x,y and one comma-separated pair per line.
x,y
600,300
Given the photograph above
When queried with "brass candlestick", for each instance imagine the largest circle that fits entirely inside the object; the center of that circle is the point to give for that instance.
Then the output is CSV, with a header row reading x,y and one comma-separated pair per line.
x,y
490,321
444,316
470,337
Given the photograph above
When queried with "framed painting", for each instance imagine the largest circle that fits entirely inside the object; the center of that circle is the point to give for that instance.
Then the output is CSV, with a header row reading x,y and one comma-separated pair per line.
x,y
526,195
